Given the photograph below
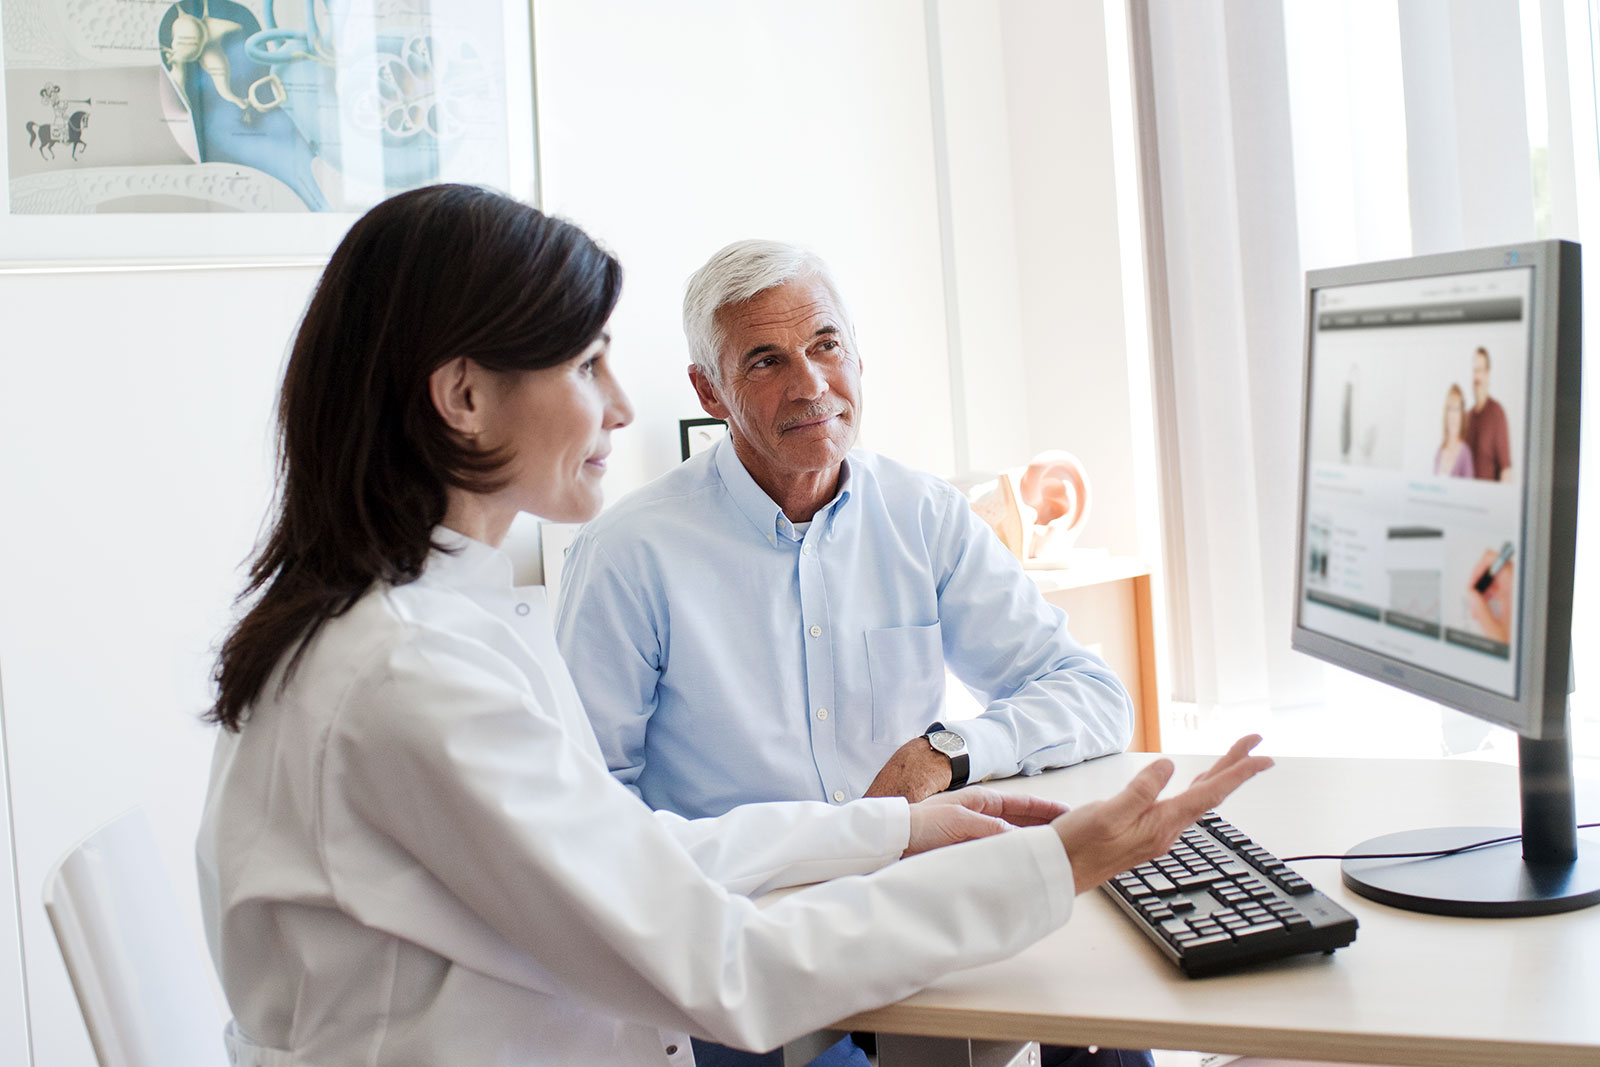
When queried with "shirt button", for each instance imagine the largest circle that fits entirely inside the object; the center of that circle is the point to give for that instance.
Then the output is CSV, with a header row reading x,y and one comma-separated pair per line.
x,y
816,631
838,796
805,549
822,713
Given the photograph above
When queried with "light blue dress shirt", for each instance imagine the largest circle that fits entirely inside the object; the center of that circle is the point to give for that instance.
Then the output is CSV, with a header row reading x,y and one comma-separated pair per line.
x,y
725,656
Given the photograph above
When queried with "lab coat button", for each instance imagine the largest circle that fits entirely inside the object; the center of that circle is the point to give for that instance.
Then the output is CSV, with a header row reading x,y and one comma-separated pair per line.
x,y
523,609
816,631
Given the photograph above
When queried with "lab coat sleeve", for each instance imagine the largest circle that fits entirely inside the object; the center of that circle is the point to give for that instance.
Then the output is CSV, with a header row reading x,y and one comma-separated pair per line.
x,y
760,847
609,636
469,805
1050,702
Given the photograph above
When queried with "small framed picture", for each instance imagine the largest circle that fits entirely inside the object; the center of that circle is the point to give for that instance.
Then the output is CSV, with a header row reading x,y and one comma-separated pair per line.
x,y
697,435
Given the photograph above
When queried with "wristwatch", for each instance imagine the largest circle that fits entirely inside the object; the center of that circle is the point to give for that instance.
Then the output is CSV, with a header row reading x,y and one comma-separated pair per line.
x,y
954,746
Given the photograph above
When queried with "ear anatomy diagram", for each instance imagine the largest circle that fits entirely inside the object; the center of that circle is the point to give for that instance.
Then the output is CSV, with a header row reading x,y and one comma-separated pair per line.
x,y
338,103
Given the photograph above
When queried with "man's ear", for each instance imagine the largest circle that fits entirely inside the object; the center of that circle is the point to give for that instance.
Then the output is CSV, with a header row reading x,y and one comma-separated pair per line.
x,y
710,396
459,393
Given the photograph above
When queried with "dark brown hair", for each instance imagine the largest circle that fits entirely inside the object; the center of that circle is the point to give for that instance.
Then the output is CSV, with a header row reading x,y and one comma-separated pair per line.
x,y
364,459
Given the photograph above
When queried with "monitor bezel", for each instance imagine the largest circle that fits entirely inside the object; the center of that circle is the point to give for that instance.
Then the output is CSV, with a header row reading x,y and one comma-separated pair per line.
x,y
1544,594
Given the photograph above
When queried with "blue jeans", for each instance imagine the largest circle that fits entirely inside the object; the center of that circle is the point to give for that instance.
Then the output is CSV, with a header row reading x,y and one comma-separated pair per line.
x,y
846,1054
842,1054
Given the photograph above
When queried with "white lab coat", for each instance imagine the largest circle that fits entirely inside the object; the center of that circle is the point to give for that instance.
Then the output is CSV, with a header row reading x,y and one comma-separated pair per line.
x,y
414,854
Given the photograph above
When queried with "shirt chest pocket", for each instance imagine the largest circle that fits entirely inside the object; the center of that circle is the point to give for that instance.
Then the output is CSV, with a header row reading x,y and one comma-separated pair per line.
x,y
905,668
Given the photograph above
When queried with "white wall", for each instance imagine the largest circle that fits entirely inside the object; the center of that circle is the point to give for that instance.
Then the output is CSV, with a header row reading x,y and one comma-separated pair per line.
x,y
134,470
669,130
1038,253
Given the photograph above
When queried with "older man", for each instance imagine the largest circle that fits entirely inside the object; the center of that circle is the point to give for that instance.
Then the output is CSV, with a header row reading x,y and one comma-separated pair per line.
x,y
772,619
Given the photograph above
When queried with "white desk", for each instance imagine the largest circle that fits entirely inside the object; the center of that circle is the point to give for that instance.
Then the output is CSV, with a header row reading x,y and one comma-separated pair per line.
x,y
1412,989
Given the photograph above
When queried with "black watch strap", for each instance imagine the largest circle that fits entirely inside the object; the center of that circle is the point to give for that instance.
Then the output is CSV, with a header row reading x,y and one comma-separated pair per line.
x,y
954,748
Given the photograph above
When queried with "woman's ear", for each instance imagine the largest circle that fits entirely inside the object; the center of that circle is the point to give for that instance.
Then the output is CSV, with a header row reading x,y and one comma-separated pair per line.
x,y
459,393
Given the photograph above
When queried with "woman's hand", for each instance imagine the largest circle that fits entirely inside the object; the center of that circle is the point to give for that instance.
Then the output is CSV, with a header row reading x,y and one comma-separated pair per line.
x,y
1106,837
973,812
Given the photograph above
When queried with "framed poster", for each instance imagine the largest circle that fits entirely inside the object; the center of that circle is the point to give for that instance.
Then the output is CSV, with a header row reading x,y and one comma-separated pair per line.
x,y
205,131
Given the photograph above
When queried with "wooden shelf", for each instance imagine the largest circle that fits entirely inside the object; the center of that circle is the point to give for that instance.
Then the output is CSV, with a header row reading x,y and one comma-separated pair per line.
x,y
1107,601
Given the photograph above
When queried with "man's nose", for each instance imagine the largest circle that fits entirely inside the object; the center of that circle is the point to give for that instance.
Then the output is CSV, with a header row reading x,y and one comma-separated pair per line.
x,y
808,380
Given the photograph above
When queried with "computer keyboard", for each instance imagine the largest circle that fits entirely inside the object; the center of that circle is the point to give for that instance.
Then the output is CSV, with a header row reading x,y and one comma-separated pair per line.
x,y
1218,901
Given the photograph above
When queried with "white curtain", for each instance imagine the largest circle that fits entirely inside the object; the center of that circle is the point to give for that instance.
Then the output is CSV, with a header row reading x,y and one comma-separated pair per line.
x,y
1292,135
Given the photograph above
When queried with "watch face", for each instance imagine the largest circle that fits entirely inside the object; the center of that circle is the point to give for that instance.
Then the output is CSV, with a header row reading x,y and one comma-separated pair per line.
x,y
947,741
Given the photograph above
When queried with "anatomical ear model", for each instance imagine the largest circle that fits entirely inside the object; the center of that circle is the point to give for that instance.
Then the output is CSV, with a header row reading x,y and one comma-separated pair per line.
x,y
1055,485
1038,510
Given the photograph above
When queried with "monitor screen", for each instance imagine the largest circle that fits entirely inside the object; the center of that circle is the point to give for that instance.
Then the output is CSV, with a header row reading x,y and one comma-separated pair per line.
x,y
1414,495
1437,538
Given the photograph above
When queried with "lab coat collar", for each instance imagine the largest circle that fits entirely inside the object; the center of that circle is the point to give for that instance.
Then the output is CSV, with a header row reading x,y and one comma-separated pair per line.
x,y
762,511
460,562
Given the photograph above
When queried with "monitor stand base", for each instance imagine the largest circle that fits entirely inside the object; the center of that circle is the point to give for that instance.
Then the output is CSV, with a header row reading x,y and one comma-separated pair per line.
x,y
1490,883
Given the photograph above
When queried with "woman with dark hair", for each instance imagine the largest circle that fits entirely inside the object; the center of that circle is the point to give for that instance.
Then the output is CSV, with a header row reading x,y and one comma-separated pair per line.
x,y
412,851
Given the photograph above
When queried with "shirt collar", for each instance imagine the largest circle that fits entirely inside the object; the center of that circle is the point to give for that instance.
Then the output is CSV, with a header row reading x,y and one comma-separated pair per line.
x,y
460,562
764,514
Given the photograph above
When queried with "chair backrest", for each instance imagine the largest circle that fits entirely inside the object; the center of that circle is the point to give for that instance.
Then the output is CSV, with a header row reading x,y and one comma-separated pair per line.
x,y
141,977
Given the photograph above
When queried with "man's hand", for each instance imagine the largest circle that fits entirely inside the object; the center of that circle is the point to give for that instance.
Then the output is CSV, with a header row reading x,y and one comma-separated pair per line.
x,y
950,818
1106,837
915,772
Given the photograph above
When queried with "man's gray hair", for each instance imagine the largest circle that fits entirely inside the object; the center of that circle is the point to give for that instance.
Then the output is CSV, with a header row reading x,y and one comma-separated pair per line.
x,y
734,275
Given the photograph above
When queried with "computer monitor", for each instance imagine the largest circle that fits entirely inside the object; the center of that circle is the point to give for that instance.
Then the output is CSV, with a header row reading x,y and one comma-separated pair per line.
x,y
1438,517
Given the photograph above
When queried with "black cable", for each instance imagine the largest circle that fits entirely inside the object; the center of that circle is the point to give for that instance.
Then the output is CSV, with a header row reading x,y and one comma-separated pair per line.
x,y
1426,855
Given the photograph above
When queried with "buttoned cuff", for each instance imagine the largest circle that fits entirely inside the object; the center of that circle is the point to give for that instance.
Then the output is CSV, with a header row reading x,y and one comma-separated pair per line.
x,y
990,751
896,823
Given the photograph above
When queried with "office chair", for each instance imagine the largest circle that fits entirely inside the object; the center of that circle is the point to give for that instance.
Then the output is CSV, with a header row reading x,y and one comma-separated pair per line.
x,y
141,979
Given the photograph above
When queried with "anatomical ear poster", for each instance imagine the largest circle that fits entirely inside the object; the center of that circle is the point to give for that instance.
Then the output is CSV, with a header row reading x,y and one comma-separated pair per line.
x,y
218,108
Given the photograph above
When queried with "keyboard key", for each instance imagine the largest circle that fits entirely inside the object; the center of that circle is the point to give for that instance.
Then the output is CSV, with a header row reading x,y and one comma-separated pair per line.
x,y
1160,884
1196,881
1258,930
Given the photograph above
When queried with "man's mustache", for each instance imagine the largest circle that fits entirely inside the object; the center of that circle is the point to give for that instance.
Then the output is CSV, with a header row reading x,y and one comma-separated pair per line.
x,y
811,414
